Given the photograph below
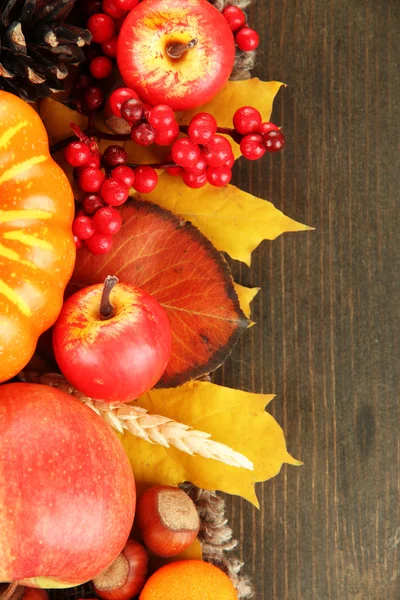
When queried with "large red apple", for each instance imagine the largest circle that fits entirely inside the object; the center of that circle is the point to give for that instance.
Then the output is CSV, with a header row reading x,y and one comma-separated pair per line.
x,y
112,341
176,53
67,492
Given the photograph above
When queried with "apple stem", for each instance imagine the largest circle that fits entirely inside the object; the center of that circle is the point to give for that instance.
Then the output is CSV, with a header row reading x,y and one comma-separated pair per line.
x,y
106,308
8,592
178,50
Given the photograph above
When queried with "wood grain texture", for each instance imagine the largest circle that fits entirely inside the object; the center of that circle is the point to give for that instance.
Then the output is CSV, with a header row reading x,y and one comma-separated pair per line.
x,y
327,334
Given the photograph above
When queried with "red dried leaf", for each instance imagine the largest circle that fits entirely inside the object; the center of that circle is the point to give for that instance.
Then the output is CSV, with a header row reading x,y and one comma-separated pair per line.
x,y
170,259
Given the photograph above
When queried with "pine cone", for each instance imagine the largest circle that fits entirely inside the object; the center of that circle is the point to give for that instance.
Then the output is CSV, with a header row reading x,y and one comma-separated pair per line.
x,y
37,46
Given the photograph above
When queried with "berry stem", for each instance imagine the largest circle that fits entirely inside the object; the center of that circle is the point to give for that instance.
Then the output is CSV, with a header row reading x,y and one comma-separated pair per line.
x,y
237,137
178,50
106,308
102,135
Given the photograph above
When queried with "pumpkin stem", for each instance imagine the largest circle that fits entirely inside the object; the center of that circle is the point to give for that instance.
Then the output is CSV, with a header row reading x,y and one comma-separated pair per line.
x,y
178,50
8,592
106,308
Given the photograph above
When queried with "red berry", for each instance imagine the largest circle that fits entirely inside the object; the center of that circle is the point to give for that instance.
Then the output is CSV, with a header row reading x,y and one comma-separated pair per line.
x,y
146,179
217,151
117,99
132,110
252,146
83,228
230,162
246,120
99,243
202,128
78,242
77,154
91,203
91,179
198,167
114,192
265,127
94,161
146,110
125,174
172,170
235,17
93,98
111,8
219,176
274,141
101,67
194,181
143,134
107,221
101,27
83,81
247,39
167,136
91,7
109,48
161,117
184,152
115,155
126,4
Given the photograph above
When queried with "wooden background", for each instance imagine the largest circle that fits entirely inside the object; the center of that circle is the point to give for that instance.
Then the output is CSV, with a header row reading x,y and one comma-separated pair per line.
x,y
327,339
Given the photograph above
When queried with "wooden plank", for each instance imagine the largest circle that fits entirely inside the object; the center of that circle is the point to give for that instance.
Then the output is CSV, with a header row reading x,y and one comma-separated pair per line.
x,y
327,334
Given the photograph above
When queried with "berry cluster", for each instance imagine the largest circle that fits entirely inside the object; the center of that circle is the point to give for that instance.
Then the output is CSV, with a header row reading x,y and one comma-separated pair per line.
x,y
105,181
148,124
204,156
105,21
257,137
247,39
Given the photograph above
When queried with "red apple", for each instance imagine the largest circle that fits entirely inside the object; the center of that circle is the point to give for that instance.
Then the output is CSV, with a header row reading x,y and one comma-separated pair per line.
x,y
112,348
176,53
67,492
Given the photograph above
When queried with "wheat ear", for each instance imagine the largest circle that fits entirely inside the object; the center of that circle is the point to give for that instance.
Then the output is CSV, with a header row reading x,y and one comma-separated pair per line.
x,y
155,429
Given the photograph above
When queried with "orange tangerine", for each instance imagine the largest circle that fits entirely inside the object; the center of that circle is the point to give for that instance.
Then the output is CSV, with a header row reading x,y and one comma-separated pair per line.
x,y
189,580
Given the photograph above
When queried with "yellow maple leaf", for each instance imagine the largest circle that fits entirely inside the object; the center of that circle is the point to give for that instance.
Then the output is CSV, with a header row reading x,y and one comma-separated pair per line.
x,y
233,220
235,94
232,417
246,296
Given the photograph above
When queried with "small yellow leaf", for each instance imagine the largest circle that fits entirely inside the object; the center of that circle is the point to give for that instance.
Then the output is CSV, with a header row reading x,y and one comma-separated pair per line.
x,y
235,94
246,296
56,118
234,221
232,417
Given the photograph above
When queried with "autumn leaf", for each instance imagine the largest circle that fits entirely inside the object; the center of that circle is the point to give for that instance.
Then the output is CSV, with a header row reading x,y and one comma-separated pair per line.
x,y
235,94
234,221
173,261
233,417
246,296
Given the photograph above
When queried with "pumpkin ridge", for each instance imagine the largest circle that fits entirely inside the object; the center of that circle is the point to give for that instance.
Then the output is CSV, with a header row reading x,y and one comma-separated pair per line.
x,y
22,167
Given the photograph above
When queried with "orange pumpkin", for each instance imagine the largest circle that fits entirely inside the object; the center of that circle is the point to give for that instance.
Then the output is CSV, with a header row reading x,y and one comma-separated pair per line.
x,y
37,251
